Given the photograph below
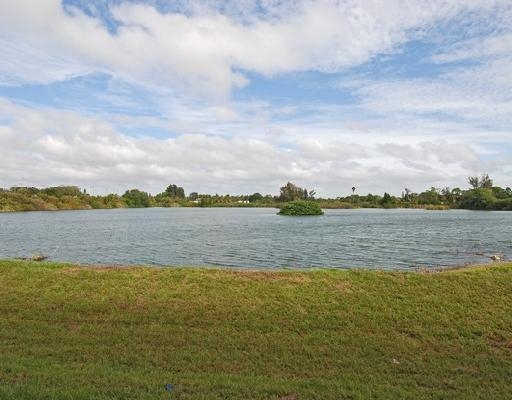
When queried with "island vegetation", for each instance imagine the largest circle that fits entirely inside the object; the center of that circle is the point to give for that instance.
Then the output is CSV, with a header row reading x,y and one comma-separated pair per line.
x,y
481,195
300,208
71,332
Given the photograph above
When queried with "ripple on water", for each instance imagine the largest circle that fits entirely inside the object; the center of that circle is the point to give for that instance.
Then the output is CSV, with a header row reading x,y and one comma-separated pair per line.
x,y
258,238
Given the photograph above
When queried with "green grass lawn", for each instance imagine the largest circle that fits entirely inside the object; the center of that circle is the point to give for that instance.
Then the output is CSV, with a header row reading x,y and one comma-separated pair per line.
x,y
69,332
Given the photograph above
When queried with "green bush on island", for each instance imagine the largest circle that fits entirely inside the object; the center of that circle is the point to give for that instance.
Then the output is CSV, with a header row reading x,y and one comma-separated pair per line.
x,y
300,207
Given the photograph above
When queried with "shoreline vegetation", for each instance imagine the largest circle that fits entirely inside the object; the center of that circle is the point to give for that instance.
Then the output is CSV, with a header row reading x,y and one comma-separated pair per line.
x,y
482,195
73,332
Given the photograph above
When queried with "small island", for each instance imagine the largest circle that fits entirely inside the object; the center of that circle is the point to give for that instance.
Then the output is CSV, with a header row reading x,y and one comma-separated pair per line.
x,y
300,208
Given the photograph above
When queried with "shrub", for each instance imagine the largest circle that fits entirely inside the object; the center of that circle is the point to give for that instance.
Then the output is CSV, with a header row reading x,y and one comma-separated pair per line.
x,y
477,199
437,207
135,198
301,207
502,204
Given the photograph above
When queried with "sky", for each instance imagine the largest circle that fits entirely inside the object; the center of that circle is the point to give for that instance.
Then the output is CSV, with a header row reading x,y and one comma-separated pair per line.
x,y
242,96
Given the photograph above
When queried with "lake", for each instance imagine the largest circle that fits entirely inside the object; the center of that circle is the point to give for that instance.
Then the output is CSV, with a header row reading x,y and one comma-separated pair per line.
x,y
258,238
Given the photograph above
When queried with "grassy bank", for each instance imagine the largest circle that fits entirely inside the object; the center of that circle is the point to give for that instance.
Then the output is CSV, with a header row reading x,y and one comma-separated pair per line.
x,y
70,332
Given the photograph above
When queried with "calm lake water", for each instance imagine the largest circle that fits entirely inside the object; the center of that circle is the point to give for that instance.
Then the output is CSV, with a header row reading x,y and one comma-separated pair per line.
x,y
258,238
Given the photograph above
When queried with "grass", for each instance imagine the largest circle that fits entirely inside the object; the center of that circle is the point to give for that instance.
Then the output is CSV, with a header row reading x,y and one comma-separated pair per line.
x,y
69,332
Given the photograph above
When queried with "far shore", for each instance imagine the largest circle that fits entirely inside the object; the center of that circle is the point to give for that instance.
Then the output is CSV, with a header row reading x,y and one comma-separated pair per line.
x,y
482,196
241,207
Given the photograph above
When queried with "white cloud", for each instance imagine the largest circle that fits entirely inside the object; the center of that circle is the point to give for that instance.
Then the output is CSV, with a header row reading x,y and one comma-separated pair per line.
x,y
479,94
208,51
50,147
22,62
475,92
499,45
403,132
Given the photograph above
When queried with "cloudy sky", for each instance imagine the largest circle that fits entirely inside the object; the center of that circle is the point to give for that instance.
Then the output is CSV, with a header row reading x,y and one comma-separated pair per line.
x,y
240,96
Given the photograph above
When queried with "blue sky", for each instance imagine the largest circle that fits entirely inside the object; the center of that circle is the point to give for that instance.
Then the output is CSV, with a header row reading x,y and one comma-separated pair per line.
x,y
243,96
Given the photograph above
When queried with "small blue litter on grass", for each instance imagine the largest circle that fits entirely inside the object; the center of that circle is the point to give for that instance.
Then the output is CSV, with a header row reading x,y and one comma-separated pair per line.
x,y
169,387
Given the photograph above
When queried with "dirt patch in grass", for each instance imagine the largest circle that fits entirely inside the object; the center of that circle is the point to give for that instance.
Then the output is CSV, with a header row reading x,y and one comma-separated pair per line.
x,y
499,341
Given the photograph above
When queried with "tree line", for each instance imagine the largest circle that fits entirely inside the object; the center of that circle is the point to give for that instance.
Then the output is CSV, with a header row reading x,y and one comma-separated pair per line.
x,y
482,194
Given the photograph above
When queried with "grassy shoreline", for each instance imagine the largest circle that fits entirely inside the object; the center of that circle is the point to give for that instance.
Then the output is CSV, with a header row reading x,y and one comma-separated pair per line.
x,y
69,332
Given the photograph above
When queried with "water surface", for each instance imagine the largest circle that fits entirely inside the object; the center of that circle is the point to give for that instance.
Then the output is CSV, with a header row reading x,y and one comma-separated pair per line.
x,y
258,238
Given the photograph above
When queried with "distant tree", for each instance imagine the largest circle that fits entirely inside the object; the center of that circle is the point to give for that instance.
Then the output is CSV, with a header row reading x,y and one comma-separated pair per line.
x,y
353,189
474,181
206,200
372,198
477,199
290,192
134,198
456,194
175,191
446,194
355,198
407,194
387,201
255,197
24,190
430,196
484,182
193,196
113,200
503,204
500,193
60,191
